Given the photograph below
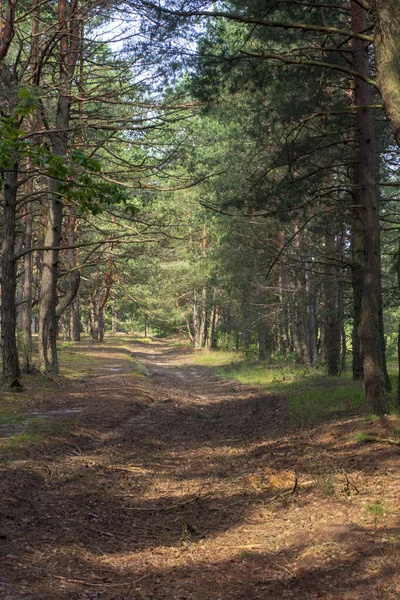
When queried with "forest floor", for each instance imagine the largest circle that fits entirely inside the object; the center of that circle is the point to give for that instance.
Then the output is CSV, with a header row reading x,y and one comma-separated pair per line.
x,y
141,476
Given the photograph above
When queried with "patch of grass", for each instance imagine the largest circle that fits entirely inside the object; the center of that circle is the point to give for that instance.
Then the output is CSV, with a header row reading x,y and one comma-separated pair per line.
x,y
18,441
313,396
206,415
327,486
75,364
139,370
65,344
360,437
219,358
377,510
26,437
11,420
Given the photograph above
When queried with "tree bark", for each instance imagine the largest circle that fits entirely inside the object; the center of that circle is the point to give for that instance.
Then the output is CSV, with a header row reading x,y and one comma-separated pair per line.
x,y
114,317
75,321
69,43
26,307
357,272
10,364
373,360
387,52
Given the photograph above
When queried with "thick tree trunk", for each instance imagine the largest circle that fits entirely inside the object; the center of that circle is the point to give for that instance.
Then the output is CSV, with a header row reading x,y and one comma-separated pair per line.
x,y
387,52
10,363
373,360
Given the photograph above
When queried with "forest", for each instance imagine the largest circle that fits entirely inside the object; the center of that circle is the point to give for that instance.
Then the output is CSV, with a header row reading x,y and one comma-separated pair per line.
x,y
221,173
215,184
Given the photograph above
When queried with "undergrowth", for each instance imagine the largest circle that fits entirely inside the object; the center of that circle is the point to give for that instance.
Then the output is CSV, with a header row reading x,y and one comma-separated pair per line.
x,y
313,396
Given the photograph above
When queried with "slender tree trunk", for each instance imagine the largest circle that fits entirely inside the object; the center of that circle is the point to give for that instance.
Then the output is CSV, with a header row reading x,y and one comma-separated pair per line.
x,y
300,325
196,321
311,325
357,272
101,325
75,320
47,341
284,301
203,321
26,306
95,324
114,317
246,320
332,323
213,323
69,44
398,378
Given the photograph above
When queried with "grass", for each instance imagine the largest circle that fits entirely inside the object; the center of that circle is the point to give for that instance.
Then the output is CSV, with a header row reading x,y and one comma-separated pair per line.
x,y
18,441
312,395
139,370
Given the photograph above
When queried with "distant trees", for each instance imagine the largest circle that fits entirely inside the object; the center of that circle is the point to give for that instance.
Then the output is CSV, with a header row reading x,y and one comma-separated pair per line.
x,y
254,154
243,44
78,134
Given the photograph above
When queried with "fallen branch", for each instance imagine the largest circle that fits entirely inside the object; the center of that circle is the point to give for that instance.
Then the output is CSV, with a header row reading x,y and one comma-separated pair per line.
x,y
377,440
167,508
89,583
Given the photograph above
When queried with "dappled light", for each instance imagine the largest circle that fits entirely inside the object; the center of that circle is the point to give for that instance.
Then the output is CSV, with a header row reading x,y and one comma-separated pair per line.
x,y
172,483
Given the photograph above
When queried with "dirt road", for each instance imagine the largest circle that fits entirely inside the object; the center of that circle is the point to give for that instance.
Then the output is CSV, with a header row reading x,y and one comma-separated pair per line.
x,y
152,479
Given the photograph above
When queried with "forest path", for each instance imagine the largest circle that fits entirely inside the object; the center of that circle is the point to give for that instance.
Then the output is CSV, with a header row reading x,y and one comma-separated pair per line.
x,y
171,484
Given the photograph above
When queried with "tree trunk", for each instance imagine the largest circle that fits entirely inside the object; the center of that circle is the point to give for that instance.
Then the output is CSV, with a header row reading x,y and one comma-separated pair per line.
x,y
332,335
26,306
69,43
114,318
213,323
387,52
75,321
398,378
284,300
357,272
262,346
373,360
196,320
101,325
95,322
246,320
10,362
47,342
203,322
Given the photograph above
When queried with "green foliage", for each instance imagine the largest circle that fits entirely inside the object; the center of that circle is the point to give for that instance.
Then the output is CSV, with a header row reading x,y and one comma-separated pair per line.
x,y
312,396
